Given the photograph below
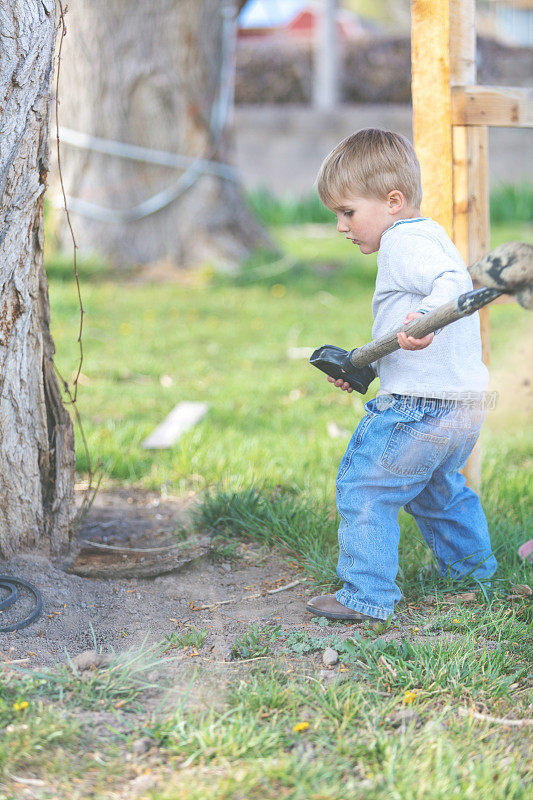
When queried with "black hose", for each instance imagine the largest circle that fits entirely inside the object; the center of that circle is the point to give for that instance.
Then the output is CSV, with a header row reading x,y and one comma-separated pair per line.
x,y
10,599
8,582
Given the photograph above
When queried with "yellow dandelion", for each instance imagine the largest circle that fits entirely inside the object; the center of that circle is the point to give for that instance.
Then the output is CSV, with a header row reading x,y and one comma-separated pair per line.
x,y
300,726
457,621
278,290
16,706
409,697
416,630
24,705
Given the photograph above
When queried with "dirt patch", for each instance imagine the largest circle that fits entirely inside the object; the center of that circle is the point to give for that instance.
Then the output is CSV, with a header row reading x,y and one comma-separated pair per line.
x,y
122,613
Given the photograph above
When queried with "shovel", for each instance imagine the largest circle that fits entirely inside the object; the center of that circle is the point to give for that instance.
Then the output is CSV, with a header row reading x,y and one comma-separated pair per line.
x,y
508,269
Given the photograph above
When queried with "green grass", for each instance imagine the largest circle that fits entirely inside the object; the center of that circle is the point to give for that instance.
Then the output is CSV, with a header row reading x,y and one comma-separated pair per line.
x,y
512,203
226,341
272,210
509,203
264,454
295,737
307,531
191,637
255,642
147,347
393,717
122,682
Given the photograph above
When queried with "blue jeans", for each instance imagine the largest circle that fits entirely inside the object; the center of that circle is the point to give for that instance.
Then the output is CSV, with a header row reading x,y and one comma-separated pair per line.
x,y
407,452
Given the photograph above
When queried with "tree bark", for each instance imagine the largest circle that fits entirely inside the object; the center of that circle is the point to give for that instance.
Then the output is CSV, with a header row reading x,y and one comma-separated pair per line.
x,y
36,438
149,74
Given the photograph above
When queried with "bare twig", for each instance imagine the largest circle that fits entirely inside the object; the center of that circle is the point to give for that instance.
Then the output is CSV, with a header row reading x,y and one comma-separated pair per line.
x,y
164,549
62,34
27,781
237,661
92,487
247,597
283,588
517,723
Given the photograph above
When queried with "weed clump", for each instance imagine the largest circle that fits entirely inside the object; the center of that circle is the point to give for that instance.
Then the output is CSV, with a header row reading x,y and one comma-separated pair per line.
x,y
255,642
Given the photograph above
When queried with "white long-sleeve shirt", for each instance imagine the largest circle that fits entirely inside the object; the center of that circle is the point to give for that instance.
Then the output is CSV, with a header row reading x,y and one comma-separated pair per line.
x,y
419,269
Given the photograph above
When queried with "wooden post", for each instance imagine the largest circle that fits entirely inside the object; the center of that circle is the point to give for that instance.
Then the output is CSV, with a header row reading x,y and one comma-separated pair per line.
x,y
453,158
432,106
471,226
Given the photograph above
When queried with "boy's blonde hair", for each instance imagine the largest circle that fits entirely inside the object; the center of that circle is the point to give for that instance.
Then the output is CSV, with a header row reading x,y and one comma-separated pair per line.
x,y
370,163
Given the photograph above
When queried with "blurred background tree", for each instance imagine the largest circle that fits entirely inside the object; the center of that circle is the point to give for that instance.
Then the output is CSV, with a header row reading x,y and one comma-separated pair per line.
x,y
159,76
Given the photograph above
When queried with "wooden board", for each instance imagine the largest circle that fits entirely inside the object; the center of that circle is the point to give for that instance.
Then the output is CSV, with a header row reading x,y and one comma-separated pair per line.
x,y
507,107
182,417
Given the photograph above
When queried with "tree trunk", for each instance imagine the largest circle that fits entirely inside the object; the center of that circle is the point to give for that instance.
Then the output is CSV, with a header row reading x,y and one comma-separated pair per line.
x,y
36,439
150,75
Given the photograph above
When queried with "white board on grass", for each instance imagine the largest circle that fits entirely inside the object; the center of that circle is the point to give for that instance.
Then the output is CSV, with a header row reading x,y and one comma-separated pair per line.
x,y
182,417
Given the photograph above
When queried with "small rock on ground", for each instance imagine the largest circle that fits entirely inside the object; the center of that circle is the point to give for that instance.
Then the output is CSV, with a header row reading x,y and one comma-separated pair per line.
x,y
330,657
141,784
90,659
406,716
140,746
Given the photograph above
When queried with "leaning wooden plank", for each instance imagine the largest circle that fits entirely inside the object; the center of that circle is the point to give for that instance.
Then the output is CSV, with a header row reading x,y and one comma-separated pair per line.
x,y
182,417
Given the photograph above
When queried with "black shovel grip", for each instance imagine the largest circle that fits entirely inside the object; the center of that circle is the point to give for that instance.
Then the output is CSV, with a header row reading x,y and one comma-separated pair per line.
x,y
335,361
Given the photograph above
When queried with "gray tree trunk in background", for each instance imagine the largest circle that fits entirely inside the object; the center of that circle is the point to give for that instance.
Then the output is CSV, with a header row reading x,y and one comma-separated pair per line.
x,y
149,74
36,439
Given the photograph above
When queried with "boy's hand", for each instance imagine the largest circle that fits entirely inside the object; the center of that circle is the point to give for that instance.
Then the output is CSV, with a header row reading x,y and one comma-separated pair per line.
x,y
341,384
409,342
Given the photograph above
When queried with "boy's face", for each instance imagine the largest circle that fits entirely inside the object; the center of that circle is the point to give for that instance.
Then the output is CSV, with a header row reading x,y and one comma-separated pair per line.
x,y
363,220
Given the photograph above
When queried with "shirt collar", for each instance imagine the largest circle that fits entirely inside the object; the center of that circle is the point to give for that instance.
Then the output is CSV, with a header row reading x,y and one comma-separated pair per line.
x,y
404,222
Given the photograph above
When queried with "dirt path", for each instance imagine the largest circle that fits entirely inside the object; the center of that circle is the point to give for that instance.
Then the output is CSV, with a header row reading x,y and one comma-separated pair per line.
x,y
121,613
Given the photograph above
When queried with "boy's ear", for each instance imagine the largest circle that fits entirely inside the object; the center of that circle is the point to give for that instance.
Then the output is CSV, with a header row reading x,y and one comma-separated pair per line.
x,y
395,201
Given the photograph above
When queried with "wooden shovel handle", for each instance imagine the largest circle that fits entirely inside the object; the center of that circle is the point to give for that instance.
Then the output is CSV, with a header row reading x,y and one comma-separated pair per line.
x,y
463,306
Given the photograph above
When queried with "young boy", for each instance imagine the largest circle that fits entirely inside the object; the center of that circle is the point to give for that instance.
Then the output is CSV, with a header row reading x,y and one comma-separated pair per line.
x,y
423,424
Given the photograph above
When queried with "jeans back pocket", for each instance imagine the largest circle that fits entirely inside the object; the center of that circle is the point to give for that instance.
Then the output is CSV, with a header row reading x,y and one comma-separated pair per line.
x,y
413,452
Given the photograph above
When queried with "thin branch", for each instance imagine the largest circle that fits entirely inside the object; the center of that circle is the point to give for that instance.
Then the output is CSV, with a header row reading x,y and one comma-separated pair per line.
x,y
254,596
92,488
517,723
62,34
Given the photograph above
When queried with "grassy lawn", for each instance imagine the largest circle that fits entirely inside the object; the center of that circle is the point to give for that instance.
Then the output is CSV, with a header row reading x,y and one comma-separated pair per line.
x,y
430,715
438,710
150,346
226,341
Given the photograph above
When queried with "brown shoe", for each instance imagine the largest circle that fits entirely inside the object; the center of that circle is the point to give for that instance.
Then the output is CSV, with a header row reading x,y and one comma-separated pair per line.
x,y
327,605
